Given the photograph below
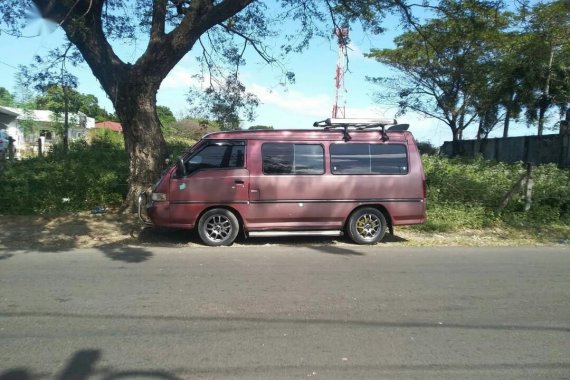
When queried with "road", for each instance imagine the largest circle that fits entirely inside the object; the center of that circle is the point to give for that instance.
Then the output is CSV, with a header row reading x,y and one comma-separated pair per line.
x,y
271,311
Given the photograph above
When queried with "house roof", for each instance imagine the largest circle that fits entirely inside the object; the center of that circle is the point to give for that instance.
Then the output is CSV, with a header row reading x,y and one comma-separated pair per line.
x,y
112,125
46,116
9,111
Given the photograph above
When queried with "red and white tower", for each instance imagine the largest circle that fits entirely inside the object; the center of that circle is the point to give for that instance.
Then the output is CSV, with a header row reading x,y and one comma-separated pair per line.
x,y
339,108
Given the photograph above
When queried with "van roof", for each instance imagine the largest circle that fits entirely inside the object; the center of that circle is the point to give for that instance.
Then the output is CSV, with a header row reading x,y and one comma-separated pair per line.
x,y
307,134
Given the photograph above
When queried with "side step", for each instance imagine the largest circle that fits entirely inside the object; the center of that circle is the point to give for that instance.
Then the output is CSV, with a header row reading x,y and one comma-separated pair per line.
x,y
295,233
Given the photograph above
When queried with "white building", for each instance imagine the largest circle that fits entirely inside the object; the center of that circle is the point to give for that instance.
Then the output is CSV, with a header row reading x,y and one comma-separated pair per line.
x,y
28,126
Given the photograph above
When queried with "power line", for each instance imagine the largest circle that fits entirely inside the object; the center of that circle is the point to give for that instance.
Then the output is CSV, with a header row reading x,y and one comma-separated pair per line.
x,y
7,64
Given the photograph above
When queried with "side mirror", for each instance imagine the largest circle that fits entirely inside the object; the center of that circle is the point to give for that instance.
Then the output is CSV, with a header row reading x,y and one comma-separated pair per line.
x,y
180,168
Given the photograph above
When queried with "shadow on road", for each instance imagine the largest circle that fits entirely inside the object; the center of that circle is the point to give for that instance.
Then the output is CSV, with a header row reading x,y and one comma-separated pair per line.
x,y
126,254
123,239
334,250
82,366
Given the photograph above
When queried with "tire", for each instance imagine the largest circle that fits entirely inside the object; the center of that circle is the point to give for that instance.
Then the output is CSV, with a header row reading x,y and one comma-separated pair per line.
x,y
366,226
218,227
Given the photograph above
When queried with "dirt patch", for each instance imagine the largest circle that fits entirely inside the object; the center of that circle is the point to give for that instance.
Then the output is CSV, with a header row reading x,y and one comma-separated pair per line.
x,y
86,230
67,231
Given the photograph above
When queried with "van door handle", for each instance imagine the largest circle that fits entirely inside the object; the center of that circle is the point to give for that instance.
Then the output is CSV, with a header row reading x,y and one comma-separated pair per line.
x,y
238,182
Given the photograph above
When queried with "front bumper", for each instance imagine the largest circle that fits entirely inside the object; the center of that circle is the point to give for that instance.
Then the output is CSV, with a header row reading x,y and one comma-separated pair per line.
x,y
143,203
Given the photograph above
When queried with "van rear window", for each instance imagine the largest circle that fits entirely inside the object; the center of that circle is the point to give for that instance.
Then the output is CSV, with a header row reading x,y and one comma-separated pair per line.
x,y
369,159
288,158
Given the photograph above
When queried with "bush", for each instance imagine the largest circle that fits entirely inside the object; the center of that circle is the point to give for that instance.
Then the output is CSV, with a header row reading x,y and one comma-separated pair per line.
x,y
106,135
466,193
89,175
177,146
427,148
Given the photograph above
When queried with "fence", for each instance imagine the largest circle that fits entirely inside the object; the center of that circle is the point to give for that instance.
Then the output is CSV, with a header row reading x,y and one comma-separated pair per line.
x,y
528,149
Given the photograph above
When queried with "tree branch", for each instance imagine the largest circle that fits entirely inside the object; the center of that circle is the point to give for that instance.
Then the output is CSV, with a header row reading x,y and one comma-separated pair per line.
x,y
94,47
260,50
158,20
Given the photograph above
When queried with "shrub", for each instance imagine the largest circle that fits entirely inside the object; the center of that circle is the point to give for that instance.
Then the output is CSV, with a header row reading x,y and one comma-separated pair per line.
x,y
177,146
89,175
427,148
466,193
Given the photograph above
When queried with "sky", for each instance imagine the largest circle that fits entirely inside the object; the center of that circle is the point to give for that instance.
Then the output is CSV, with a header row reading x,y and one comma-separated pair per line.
x,y
297,105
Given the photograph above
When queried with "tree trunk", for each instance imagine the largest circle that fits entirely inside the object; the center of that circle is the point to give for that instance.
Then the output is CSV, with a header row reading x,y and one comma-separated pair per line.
x,y
541,114
509,105
480,131
144,142
544,101
456,147
65,119
507,122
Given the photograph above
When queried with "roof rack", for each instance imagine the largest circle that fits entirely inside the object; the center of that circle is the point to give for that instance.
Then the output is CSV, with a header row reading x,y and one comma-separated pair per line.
x,y
360,124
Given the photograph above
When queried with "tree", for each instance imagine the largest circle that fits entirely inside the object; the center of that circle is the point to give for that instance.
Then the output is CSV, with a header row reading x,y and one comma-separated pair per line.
x,y
227,104
53,99
547,53
165,116
260,127
445,63
44,73
193,129
6,98
172,28
511,85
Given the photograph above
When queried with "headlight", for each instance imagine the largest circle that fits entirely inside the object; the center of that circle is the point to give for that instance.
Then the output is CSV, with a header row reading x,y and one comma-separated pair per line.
x,y
158,197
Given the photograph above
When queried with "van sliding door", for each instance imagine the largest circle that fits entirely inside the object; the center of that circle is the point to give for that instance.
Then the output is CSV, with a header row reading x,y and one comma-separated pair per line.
x,y
291,189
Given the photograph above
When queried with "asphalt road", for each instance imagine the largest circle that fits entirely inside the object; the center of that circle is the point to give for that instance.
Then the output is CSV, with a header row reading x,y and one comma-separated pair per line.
x,y
264,311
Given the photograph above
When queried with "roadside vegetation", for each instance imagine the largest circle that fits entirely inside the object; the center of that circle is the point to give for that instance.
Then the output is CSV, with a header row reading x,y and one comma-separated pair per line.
x,y
463,194
467,194
90,175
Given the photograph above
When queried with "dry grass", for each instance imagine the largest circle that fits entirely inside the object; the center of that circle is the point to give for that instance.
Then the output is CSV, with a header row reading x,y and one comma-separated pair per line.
x,y
85,230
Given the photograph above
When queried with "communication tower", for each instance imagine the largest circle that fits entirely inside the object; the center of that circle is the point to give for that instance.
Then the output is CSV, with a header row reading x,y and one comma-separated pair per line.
x,y
339,108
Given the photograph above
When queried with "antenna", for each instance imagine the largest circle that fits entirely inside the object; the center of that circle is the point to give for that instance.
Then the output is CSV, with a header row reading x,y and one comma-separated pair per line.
x,y
339,107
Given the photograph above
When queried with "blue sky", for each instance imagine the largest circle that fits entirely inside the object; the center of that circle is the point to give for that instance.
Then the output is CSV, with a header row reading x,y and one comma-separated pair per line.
x,y
296,105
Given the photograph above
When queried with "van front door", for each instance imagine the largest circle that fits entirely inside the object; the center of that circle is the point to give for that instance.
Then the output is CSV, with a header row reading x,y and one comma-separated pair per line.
x,y
216,175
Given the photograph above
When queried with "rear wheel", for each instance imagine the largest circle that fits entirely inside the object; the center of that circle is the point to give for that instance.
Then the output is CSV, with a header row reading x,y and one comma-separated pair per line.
x,y
366,226
218,227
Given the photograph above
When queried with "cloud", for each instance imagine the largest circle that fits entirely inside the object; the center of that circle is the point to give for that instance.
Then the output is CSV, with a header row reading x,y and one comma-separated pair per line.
x,y
354,52
292,100
313,105
369,112
182,78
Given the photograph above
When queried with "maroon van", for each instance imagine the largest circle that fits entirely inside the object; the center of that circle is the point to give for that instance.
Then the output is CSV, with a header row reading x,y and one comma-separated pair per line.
x,y
353,176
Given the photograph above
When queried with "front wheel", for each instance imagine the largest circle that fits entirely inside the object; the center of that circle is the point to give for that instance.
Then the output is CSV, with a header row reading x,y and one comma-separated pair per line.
x,y
366,226
218,227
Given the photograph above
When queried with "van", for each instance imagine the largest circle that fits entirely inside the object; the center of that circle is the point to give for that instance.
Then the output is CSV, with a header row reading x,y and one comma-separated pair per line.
x,y
358,177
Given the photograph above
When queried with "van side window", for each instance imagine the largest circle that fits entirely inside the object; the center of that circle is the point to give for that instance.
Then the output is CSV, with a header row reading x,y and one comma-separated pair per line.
x,y
288,158
369,159
217,156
